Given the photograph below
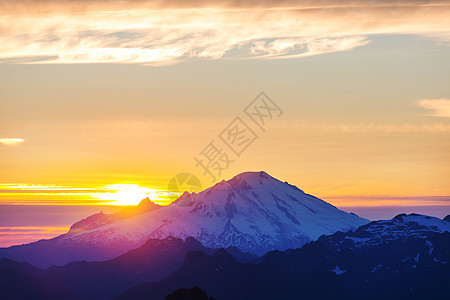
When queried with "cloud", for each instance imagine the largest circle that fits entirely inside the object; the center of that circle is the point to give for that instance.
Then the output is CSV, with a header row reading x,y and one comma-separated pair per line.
x,y
380,200
303,47
369,127
10,236
11,141
167,32
440,107
387,128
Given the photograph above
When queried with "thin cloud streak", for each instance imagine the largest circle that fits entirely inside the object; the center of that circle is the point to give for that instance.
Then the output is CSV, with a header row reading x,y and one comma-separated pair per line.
x,y
387,200
283,48
370,128
440,107
10,236
165,33
11,141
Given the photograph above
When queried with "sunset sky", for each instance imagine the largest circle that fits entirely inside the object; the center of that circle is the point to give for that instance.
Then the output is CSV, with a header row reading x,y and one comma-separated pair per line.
x,y
103,102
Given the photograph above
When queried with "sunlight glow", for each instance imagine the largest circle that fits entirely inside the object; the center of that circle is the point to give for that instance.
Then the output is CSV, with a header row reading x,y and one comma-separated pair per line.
x,y
11,141
129,194
113,194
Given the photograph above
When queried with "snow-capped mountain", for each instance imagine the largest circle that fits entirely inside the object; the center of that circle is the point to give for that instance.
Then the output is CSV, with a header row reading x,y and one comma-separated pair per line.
x,y
400,228
409,244
253,211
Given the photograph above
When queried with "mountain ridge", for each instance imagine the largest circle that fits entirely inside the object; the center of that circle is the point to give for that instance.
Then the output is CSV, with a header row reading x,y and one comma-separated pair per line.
x,y
100,219
404,256
252,211
414,266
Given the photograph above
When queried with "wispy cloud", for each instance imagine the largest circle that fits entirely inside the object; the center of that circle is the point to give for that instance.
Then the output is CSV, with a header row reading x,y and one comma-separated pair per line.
x,y
10,236
11,141
16,193
439,107
391,201
303,47
167,32
370,127
387,128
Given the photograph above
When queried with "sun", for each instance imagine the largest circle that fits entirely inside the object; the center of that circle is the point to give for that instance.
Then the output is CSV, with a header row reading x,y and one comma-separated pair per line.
x,y
128,194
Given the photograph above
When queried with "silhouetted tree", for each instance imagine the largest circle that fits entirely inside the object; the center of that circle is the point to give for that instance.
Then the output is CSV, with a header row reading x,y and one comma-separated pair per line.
x,y
195,293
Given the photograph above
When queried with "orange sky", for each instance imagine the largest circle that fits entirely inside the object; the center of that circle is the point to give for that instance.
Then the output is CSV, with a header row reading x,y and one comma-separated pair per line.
x,y
102,103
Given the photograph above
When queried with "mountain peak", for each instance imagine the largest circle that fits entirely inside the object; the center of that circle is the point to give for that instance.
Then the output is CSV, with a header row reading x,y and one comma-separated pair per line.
x,y
240,182
146,203
144,206
145,200
252,177
232,208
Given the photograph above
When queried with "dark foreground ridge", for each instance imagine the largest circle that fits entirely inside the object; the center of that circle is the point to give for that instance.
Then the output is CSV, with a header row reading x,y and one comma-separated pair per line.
x,y
402,258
